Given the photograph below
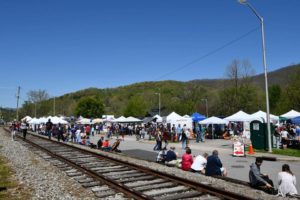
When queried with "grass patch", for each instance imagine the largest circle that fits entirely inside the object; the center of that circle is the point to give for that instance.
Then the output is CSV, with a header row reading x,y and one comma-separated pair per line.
x,y
12,189
5,180
287,152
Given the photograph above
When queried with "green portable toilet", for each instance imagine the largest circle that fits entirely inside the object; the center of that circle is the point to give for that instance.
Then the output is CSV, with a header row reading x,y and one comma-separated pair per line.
x,y
259,135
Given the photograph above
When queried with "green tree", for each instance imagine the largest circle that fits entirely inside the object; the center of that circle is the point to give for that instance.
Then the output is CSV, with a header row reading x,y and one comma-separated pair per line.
x,y
136,107
274,96
89,107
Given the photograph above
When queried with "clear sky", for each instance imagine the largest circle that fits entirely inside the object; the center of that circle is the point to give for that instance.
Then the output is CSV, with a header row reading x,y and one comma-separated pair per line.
x,y
63,46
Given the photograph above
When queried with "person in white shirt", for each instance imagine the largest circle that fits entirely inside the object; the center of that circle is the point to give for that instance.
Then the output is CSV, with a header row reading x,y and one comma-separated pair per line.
x,y
199,163
286,182
284,138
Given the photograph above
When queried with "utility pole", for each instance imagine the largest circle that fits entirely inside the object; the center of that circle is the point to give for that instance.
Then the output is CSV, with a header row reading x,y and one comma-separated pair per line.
x,y
54,106
18,98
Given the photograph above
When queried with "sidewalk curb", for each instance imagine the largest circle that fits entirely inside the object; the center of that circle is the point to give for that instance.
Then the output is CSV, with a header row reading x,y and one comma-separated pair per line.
x,y
274,156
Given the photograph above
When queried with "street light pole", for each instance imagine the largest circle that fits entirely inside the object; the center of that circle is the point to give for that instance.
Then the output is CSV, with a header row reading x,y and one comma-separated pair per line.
x,y
158,103
53,106
244,2
206,106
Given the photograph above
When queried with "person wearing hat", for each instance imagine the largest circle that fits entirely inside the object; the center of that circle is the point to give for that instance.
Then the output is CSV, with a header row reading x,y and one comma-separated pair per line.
x,y
171,157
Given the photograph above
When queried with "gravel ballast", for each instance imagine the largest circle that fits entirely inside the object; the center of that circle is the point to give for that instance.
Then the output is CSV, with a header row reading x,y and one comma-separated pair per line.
x,y
48,182
38,176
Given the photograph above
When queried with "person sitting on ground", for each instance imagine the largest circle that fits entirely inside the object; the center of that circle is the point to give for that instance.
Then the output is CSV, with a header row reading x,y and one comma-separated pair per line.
x,y
161,156
115,146
257,179
214,165
171,157
105,145
187,160
226,134
199,164
286,182
100,142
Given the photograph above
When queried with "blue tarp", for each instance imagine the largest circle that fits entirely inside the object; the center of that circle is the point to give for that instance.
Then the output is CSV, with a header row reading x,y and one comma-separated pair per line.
x,y
196,117
296,120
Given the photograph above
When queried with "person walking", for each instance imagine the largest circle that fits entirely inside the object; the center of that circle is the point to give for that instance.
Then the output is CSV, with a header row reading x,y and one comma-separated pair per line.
x,y
178,132
198,132
13,129
24,127
60,132
49,126
286,182
183,139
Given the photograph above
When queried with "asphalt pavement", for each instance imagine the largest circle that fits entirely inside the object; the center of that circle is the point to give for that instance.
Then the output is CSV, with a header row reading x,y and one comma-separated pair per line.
x,y
238,167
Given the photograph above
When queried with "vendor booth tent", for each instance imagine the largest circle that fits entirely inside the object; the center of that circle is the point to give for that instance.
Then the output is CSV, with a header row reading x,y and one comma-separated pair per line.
x,y
214,120
262,115
157,118
245,118
174,118
133,120
120,119
291,114
196,117
57,120
296,120
97,120
241,116
84,121
27,118
34,121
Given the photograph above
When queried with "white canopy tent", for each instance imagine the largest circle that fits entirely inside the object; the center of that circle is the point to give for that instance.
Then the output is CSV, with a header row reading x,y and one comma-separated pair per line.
x,y
291,114
120,119
27,118
158,118
241,116
214,120
133,120
174,118
262,115
57,120
34,121
84,121
97,120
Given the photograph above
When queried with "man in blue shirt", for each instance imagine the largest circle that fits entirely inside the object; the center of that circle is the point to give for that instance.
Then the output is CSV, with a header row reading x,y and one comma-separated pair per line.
x,y
214,165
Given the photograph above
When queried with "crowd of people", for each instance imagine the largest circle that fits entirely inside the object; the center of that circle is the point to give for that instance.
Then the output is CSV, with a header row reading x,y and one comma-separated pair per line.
x,y
287,135
209,165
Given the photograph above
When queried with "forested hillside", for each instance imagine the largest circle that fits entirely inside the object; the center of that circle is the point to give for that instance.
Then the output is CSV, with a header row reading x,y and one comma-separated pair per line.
x,y
224,96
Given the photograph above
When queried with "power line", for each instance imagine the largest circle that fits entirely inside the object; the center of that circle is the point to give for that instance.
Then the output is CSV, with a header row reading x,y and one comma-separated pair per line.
x,y
209,53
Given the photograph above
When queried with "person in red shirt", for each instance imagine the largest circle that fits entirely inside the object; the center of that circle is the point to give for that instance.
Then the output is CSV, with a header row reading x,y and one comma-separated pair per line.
x,y
187,160
87,131
105,145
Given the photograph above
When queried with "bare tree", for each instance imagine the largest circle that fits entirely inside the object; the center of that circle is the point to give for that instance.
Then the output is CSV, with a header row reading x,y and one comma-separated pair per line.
x,y
233,73
240,70
37,95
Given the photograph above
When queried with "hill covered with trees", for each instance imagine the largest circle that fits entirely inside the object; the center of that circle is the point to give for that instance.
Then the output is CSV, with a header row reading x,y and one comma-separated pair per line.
x,y
241,89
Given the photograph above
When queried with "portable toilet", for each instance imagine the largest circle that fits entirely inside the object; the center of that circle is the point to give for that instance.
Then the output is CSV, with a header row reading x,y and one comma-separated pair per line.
x,y
259,135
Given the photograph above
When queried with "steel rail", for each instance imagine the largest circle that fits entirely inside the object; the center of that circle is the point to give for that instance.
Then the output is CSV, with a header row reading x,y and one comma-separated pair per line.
x,y
218,192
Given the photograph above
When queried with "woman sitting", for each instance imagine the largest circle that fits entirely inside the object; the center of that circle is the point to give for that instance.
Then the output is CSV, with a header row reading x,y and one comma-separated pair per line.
x,y
286,182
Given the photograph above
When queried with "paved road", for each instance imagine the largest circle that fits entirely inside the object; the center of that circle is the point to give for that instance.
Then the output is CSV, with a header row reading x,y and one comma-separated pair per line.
x,y
238,167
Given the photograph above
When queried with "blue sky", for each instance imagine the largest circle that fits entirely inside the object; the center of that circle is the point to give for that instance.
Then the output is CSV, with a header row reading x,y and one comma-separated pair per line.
x,y
66,45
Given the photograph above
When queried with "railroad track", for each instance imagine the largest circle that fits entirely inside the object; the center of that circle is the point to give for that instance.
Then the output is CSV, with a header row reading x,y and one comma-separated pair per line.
x,y
109,177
